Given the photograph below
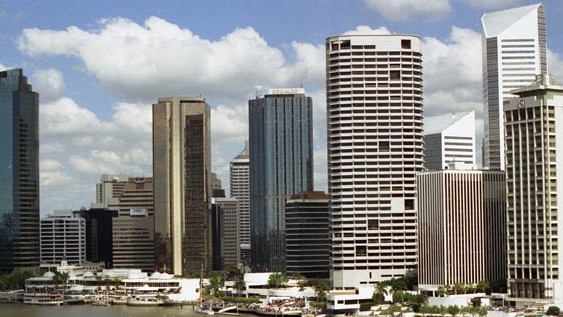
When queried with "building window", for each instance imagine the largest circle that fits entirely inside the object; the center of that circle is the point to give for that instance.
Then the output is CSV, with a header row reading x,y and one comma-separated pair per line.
x,y
361,250
394,75
409,204
405,44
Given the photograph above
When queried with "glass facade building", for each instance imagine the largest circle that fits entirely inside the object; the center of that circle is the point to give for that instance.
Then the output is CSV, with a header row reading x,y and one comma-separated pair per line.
x,y
19,172
182,185
281,165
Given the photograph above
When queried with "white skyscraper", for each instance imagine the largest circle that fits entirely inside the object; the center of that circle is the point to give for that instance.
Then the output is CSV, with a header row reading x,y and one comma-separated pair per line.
x,y
514,52
375,148
240,189
449,140
534,186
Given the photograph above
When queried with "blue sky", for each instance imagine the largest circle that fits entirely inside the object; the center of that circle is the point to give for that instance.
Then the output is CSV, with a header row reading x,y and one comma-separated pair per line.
x,y
99,65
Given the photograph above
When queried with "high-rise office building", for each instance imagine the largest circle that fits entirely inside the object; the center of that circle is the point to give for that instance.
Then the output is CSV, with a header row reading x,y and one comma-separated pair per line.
x,y
182,185
375,148
19,173
307,235
449,139
99,241
281,165
534,187
226,243
461,227
110,186
240,189
133,228
514,52
63,237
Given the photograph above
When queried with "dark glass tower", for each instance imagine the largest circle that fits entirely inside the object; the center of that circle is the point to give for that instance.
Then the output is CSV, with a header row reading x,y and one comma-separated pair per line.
x,y
281,165
19,173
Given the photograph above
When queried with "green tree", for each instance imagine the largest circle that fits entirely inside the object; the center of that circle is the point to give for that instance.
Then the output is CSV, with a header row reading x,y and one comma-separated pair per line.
x,y
216,283
553,311
453,310
239,284
321,289
483,286
277,280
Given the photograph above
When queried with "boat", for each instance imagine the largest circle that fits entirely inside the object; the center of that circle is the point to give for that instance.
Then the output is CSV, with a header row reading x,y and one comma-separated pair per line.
x,y
118,299
74,299
50,299
205,310
144,300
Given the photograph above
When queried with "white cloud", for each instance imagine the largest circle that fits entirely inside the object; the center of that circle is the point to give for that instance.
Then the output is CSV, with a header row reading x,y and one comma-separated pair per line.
x,y
452,72
161,52
494,5
364,29
49,84
403,10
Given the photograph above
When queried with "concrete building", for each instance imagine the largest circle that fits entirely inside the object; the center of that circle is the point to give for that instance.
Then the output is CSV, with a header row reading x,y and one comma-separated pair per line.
x,y
375,148
281,164
226,243
307,243
110,186
63,237
19,175
534,178
240,189
449,138
133,228
182,184
461,227
514,52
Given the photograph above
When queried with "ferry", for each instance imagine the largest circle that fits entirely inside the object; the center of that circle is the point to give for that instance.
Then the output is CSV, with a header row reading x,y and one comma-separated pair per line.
x,y
144,300
51,299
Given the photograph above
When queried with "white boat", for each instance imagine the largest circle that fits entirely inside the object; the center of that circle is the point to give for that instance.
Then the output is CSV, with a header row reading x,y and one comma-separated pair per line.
x,y
51,299
144,300
118,299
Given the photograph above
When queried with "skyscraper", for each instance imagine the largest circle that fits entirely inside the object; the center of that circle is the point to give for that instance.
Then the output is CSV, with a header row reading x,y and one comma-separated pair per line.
x,y
182,184
226,245
449,139
133,228
240,189
375,148
281,164
514,52
534,187
19,172
110,186
461,227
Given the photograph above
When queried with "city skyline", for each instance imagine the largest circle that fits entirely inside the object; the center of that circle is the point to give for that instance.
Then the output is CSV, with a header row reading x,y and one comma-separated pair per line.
x,y
89,98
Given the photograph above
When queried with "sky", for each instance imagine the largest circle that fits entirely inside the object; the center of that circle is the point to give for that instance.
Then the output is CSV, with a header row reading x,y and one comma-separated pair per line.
x,y
100,65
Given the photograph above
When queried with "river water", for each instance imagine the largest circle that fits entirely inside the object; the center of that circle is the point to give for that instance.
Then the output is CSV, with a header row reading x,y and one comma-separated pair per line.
x,y
21,310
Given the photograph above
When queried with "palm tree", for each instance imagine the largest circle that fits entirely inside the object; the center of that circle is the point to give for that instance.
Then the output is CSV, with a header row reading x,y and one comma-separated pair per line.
x,y
239,284
277,280
483,286
321,289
